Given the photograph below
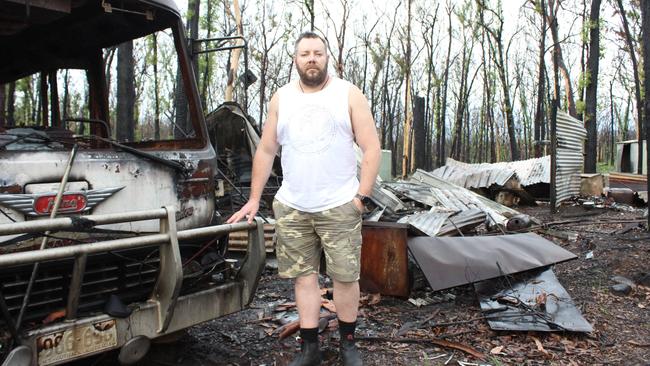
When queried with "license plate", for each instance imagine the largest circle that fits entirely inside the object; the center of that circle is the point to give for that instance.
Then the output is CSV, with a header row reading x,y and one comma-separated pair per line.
x,y
75,342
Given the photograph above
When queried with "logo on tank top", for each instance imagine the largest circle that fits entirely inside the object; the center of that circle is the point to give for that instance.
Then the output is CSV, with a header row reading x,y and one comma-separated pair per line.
x,y
312,129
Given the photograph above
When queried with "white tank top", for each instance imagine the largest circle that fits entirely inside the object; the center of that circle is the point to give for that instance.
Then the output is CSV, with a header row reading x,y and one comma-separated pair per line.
x,y
319,164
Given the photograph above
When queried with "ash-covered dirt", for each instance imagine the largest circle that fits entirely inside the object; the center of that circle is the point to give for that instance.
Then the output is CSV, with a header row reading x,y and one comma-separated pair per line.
x,y
610,242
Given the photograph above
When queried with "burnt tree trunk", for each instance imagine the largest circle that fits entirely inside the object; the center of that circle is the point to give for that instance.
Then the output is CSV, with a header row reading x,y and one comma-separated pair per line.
x,y
407,156
495,40
3,91
457,136
43,105
11,108
66,94
590,120
611,122
441,135
125,124
583,67
55,118
419,134
539,108
310,9
156,87
429,111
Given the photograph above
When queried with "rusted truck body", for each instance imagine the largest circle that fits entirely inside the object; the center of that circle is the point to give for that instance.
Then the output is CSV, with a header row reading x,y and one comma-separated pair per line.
x,y
106,243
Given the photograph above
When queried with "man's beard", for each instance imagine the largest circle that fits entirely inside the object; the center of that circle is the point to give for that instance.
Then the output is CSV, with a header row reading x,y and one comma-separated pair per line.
x,y
314,79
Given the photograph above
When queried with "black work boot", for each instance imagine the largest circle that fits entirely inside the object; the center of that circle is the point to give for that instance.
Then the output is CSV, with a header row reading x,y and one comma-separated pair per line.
x,y
309,350
350,355
349,352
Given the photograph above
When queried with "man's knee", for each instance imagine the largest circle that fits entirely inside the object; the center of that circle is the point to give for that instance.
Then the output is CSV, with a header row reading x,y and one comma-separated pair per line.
x,y
346,285
306,281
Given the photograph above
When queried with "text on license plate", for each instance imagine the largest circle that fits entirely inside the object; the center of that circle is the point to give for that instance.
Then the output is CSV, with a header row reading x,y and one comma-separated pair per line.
x,y
75,342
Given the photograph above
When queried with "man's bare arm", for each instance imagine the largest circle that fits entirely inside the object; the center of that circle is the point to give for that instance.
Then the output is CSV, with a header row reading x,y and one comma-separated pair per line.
x,y
365,135
262,164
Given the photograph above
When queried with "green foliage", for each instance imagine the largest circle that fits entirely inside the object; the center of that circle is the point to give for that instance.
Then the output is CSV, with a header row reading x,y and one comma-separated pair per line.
x,y
587,26
580,106
604,167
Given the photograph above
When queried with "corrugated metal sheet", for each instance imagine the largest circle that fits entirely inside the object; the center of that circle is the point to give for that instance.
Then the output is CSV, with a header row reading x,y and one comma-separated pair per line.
x,y
570,139
454,197
528,172
427,222
417,192
465,219
473,175
386,198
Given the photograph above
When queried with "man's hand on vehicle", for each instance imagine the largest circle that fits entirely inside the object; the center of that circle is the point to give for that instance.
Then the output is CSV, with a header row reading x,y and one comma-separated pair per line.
x,y
248,211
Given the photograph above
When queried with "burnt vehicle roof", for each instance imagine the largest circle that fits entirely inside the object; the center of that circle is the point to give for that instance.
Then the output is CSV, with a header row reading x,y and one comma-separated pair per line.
x,y
44,36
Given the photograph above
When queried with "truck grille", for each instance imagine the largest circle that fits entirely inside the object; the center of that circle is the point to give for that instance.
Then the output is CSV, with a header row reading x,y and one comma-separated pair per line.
x,y
129,274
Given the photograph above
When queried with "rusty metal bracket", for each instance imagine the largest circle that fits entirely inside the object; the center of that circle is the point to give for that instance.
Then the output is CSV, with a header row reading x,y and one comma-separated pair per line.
x,y
170,274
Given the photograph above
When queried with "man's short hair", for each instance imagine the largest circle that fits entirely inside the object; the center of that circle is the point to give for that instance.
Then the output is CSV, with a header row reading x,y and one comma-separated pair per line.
x,y
307,34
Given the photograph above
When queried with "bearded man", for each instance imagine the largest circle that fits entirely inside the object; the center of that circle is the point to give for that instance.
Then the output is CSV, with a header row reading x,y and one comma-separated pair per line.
x,y
316,120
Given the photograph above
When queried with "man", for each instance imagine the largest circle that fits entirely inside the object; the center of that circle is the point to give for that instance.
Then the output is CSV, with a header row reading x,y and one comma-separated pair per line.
x,y
316,120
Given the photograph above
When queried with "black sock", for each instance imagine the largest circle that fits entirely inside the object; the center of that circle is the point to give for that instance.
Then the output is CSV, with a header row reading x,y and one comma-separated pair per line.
x,y
309,335
346,329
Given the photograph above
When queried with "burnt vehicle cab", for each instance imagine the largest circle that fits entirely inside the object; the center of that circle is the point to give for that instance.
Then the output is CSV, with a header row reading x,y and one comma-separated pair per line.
x,y
109,236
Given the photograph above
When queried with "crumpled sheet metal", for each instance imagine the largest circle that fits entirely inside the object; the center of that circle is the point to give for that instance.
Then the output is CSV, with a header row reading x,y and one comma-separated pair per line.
x,y
417,192
463,221
473,175
426,222
386,198
528,172
454,261
526,313
458,198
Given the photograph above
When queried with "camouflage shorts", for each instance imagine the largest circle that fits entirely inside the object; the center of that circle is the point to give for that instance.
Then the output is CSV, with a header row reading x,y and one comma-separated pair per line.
x,y
302,235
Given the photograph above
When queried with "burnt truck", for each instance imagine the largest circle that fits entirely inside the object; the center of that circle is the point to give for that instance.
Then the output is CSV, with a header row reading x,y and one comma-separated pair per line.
x,y
107,242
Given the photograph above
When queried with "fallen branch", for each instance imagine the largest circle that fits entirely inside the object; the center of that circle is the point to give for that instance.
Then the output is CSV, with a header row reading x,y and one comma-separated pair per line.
x,y
639,344
289,329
